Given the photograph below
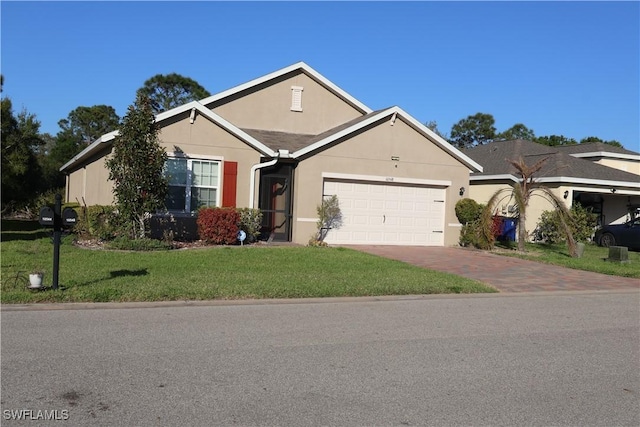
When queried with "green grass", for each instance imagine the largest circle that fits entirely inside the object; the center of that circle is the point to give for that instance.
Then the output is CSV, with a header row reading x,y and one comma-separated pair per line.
x,y
593,259
209,273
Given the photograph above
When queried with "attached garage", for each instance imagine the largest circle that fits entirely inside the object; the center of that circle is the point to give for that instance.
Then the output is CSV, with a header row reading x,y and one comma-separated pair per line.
x,y
378,212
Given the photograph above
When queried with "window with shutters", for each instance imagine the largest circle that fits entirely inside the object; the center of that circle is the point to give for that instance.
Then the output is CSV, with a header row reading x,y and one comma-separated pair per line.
x,y
296,98
193,184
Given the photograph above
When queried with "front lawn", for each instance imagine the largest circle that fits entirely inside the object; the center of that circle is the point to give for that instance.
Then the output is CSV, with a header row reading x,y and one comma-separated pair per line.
x,y
209,273
593,259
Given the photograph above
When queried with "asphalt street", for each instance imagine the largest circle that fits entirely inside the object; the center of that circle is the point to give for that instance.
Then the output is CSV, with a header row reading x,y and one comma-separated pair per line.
x,y
561,358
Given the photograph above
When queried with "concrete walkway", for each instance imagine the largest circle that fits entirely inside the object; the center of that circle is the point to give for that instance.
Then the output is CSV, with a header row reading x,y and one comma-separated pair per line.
x,y
503,273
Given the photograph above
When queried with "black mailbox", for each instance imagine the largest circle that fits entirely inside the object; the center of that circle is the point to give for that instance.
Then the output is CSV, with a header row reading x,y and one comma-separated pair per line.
x,y
69,217
47,217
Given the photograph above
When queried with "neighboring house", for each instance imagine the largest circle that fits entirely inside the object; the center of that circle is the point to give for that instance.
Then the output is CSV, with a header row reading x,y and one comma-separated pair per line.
x,y
284,141
602,177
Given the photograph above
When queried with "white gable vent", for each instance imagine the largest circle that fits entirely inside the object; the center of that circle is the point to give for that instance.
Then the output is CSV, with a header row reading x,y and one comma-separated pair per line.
x,y
296,98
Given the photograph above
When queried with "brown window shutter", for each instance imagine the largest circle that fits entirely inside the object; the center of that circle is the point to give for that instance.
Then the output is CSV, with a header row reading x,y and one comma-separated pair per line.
x,y
229,184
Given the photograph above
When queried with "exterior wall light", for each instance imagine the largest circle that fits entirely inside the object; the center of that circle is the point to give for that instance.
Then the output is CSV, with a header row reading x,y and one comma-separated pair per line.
x,y
462,191
566,194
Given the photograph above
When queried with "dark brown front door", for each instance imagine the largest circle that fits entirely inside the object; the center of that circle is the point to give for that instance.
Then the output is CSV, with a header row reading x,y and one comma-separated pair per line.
x,y
275,203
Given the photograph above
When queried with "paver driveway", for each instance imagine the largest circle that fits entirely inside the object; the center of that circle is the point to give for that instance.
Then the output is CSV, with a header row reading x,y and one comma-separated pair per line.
x,y
503,273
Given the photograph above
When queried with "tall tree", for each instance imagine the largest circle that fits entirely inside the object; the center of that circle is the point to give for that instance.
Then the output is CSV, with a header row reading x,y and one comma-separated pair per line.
x,y
553,140
87,124
474,130
589,139
21,174
136,167
52,178
171,90
517,131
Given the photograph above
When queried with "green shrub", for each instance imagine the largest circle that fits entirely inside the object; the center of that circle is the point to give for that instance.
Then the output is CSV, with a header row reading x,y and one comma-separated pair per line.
x,y
145,244
250,222
30,209
469,213
472,235
97,222
218,225
582,225
468,210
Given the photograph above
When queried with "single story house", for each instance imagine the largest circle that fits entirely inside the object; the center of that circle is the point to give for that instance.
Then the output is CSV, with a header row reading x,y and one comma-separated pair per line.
x,y
599,176
284,141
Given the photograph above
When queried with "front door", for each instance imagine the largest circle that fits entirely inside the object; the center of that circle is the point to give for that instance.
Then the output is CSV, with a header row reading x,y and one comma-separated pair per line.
x,y
275,203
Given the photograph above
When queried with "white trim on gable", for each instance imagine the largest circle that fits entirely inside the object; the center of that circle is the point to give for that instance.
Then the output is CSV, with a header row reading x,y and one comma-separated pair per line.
x,y
559,180
398,112
505,176
609,155
234,130
107,137
193,105
297,66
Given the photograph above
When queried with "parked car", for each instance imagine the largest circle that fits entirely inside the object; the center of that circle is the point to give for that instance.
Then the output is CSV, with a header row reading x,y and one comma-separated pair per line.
x,y
627,234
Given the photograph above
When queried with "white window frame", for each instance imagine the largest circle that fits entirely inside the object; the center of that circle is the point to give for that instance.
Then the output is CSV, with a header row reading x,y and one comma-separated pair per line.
x,y
188,186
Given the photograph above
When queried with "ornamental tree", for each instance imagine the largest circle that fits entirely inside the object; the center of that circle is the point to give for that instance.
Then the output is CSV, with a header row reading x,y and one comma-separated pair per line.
x,y
136,166
521,192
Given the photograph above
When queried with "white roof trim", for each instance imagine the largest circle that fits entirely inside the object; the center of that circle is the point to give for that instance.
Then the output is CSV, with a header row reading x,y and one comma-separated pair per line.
x,y
500,177
590,181
385,179
263,149
399,112
559,179
298,65
107,137
440,141
608,155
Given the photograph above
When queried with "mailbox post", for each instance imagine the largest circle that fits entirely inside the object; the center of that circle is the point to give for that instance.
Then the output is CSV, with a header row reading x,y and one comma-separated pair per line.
x,y
57,219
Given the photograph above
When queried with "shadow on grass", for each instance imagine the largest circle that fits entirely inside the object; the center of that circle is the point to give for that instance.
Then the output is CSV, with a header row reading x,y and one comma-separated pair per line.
x,y
15,229
124,273
116,274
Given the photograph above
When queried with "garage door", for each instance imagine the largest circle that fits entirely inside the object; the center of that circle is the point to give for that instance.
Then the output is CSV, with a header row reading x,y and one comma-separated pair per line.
x,y
387,214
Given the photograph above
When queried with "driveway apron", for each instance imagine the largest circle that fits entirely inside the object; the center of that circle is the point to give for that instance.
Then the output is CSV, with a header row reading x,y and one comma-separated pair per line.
x,y
501,272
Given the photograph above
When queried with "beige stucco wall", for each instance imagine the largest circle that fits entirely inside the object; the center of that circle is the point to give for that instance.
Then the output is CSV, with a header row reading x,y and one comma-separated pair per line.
x,y
200,139
205,139
270,108
89,185
370,153
623,165
482,192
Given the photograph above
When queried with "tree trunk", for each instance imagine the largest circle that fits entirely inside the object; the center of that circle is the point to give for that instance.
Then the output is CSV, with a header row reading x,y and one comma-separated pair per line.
x,y
141,226
522,229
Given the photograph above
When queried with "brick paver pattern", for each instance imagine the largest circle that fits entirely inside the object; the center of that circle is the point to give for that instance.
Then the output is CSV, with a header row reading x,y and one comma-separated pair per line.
x,y
503,273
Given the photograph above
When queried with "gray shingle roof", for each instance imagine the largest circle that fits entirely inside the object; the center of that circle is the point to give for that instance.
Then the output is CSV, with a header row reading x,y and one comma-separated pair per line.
x,y
293,141
593,147
494,159
280,140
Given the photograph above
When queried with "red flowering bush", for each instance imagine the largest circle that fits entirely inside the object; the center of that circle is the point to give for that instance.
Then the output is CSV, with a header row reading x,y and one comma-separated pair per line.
x,y
218,225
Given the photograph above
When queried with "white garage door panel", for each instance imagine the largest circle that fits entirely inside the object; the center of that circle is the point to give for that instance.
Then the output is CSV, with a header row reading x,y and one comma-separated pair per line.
x,y
376,213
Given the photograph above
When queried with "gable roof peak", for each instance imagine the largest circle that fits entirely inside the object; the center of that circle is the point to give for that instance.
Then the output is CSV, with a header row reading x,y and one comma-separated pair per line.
x,y
302,66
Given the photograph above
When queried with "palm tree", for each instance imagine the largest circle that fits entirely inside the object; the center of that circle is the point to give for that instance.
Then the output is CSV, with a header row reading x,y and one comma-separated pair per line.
x,y
522,191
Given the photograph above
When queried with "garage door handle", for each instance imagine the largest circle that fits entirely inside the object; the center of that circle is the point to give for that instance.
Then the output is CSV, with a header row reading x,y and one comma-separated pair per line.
x,y
384,219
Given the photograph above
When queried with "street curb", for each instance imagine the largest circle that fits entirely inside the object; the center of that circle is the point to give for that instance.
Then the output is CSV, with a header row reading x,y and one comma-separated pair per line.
x,y
289,301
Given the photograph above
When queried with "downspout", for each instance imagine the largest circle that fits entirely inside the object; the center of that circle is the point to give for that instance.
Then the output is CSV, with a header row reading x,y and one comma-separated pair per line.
x,y
252,177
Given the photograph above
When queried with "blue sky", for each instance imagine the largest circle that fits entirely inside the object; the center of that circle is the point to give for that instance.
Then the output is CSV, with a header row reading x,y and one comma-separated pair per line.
x,y
570,68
